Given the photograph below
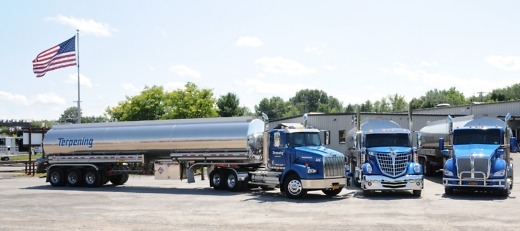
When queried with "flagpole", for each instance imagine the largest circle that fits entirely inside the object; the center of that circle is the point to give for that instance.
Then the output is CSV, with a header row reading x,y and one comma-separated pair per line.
x,y
79,100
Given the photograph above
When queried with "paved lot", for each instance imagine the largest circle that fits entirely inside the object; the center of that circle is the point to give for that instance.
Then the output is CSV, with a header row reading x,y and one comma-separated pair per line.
x,y
28,203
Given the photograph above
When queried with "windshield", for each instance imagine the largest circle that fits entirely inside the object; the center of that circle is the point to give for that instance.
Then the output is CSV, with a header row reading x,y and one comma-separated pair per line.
x,y
304,139
476,136
387,140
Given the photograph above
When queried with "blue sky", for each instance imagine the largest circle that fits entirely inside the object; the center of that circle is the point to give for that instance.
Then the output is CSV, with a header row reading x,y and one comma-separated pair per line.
x,y
353,50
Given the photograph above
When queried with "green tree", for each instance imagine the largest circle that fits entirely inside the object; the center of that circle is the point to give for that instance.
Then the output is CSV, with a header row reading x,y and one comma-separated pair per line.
x,y
229,105
315,101
275,107
148,105
190,102
367,106
397,103
154,103
70,115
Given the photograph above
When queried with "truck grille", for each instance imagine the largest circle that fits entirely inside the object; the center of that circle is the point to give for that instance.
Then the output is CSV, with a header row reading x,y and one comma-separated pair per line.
x,y
334,166
479,168
393,165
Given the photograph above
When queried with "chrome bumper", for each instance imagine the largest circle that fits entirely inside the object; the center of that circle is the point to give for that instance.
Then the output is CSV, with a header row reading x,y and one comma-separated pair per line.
x,y
329,183
408,182
475,183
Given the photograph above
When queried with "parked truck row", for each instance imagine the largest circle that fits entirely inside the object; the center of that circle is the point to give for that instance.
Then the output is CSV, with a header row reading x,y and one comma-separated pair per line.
x,y
243,152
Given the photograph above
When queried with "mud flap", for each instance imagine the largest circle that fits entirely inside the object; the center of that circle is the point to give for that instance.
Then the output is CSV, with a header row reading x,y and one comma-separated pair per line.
x,y
190,176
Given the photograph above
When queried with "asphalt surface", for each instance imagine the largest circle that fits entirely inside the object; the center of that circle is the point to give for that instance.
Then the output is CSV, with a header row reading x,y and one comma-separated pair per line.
x,y
29,203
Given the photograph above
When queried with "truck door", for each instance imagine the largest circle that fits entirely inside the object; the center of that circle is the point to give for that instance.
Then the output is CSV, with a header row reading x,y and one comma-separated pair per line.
x,y
277,150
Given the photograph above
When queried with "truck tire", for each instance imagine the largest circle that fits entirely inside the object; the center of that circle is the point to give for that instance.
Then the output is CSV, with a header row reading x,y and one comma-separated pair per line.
x,y
356,182
217,179
232,182
57,177
293,187
331,192
74,177
367,193
448,191
417,193
125,178
92,177
119,179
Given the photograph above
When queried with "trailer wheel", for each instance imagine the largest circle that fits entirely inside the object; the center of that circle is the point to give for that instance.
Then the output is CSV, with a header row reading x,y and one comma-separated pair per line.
x,y
74,177
332,192
92,177
57,177
117,179
217,179
357,182
293,187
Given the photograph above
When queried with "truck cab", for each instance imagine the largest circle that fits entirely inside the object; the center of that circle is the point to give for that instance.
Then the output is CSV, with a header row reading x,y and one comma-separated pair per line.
x,y
385,158
479,156
297,152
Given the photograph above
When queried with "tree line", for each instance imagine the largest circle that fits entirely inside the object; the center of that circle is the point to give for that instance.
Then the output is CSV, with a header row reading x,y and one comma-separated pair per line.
x,y
154,103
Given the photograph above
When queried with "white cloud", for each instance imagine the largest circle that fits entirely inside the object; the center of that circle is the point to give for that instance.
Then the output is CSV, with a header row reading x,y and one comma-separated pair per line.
x,y
329,67
49,98
508,63
83,80
425,81
429,64
14,98
150,67
85,26
185,71
271,88
280,65
46,98
173,86
249,41
130,87
313,50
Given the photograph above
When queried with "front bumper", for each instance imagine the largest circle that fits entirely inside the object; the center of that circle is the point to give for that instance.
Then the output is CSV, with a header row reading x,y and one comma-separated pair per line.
x,y
474,183
378,182
329,183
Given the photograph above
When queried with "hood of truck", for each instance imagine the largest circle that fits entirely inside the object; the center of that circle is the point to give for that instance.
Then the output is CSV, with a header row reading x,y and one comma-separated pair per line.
x,y
317,150
467,150
390,149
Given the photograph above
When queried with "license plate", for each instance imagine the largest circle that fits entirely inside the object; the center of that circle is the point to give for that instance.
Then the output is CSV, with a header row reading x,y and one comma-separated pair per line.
x,y
472,183
335,186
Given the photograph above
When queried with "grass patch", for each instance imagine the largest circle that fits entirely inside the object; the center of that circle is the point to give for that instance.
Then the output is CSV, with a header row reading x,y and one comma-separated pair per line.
x,y
24,157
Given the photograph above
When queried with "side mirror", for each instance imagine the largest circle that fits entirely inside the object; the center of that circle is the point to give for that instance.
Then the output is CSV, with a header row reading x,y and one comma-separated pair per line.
x,y
326,137
441,144
513,144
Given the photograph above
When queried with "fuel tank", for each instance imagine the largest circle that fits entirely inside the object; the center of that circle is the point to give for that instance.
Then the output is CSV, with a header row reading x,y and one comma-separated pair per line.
x,y
160,137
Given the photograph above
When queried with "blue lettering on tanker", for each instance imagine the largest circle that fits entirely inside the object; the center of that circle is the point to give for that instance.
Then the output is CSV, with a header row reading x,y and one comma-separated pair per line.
x,y
62,142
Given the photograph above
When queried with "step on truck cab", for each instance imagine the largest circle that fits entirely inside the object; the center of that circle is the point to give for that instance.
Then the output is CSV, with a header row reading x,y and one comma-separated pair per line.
x,y
478,155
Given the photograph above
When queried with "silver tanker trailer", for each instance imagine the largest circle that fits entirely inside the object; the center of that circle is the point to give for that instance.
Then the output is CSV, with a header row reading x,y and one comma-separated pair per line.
x,y
239,152
430,156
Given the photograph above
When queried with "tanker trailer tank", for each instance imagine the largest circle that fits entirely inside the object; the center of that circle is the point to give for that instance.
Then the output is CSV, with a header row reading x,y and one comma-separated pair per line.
x,y
104,150
429,154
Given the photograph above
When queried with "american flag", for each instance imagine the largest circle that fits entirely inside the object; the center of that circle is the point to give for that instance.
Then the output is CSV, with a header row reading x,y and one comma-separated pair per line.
x,y
62,55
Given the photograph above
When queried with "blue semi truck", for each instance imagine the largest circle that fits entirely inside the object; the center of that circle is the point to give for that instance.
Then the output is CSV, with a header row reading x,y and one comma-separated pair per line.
x,y
477,153
238,152
383,156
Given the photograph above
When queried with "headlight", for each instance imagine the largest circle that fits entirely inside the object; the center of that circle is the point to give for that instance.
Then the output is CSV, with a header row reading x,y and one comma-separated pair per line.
x,y
500,173
416,168
371,153
448,172
311,170
369,168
